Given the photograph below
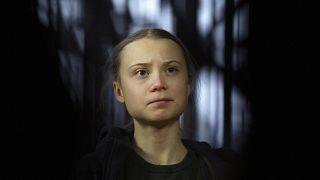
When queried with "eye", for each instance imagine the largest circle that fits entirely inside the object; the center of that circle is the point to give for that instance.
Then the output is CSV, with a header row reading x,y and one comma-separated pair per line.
x,y
172,70
141,73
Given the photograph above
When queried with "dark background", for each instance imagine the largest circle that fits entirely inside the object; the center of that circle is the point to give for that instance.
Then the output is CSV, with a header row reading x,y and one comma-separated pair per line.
x,y
40,121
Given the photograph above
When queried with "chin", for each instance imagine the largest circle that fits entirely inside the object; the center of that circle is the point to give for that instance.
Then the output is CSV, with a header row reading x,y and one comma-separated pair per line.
x,y
159,121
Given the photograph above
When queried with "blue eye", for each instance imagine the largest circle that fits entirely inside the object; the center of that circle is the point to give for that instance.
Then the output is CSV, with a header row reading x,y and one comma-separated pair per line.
x,y
172,70
141,73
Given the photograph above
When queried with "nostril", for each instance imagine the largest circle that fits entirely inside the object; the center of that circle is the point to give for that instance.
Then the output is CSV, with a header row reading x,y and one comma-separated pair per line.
x,y
159,85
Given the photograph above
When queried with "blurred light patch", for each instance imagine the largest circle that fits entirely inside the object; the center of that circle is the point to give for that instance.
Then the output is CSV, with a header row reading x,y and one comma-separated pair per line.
x,y
71,11
240,118
240,24
166,19
205,14
119,6
43,13
65,17
144,12
219,6
52,12
239,56
79,37
219,44
209,107
151,13
71,71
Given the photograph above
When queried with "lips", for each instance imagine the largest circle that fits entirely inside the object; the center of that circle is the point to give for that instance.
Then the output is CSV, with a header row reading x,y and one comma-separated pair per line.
x,y
160,100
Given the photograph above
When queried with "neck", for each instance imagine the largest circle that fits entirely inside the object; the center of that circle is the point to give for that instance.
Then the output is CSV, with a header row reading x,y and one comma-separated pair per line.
x,y
159,145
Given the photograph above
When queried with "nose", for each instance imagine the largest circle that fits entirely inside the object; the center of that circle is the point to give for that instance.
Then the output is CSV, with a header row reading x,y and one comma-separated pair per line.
x,y
158,83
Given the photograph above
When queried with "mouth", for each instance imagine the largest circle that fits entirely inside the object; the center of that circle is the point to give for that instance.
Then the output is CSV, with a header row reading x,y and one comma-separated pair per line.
x,y
160,101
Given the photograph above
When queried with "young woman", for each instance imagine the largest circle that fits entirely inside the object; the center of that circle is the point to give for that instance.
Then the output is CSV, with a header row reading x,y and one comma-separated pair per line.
x,y
153,77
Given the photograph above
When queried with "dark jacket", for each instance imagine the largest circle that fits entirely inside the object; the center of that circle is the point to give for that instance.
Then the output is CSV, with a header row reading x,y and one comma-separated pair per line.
x,y
107,162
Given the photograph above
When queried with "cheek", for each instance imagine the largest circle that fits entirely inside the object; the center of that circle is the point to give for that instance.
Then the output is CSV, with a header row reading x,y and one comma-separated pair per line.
x,y
180,90
181,82
132,91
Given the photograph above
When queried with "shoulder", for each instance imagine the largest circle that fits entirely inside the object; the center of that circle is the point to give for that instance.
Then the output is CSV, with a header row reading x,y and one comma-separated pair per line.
x,y
222,163
90,165
220,154
85,168
230,163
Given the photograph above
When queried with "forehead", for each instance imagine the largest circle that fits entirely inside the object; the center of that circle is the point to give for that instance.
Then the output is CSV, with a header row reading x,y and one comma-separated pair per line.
x,y
147,49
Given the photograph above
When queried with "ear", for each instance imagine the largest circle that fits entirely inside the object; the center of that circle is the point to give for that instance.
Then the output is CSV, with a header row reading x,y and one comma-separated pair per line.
x,y
118,91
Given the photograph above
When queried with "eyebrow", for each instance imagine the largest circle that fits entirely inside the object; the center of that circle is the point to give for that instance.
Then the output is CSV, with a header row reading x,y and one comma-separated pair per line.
x,y
148,64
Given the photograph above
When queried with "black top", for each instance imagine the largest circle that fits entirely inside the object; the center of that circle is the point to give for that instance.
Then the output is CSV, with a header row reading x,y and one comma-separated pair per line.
x,y
114,152
137,168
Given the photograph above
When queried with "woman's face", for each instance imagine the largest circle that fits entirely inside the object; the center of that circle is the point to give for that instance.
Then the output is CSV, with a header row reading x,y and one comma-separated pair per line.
x,y
153,80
